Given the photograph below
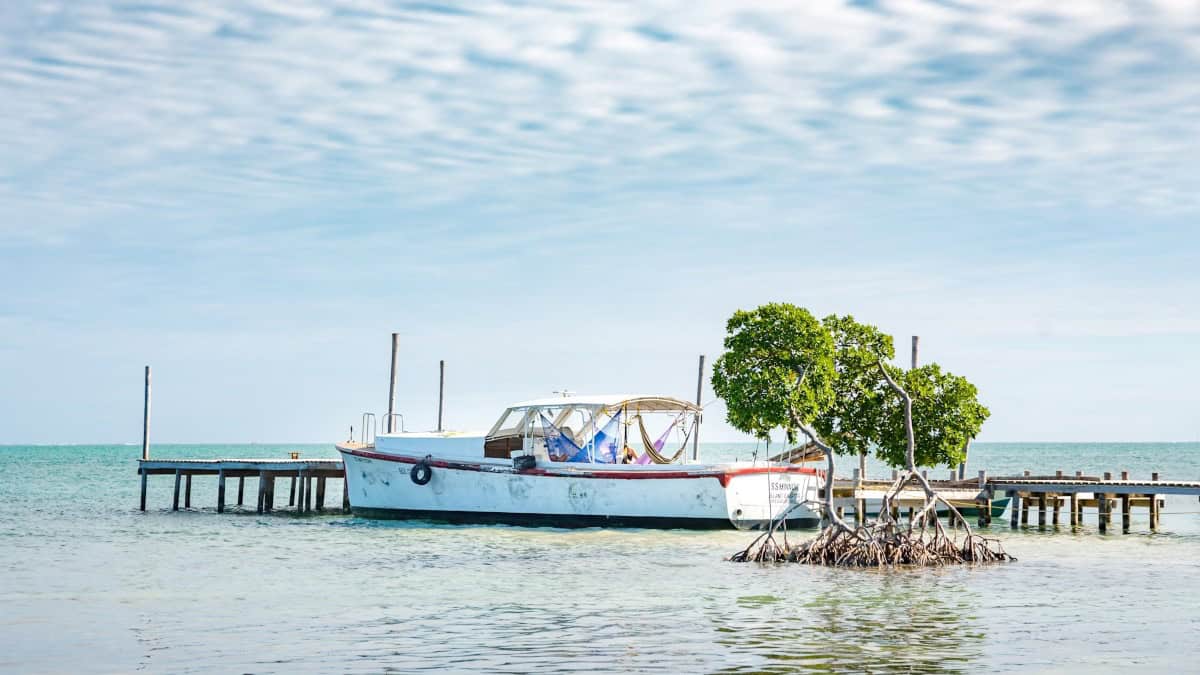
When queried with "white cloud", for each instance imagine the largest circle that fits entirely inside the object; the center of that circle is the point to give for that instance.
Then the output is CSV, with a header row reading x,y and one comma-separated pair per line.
x,y
105,105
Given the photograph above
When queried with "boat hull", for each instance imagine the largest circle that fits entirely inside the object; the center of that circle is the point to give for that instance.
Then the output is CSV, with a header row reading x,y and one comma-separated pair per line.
x,y
381,485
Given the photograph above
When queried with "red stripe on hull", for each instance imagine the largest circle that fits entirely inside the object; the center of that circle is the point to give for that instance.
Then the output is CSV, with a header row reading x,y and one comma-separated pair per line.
x,y
722,476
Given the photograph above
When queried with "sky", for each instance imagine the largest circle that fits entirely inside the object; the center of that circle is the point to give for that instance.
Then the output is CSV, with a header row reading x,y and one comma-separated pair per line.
x,y
251,196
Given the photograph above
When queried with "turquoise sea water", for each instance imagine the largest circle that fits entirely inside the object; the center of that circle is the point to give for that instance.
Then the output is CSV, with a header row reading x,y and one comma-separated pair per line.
x,y
90,584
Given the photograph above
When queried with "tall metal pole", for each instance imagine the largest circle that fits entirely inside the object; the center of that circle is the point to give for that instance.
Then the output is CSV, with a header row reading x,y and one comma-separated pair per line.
x,y
392,383
441,390
699,392
146,419
916,340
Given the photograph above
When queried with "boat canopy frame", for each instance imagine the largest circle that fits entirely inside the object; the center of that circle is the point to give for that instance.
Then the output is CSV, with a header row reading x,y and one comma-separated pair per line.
x,y
525,424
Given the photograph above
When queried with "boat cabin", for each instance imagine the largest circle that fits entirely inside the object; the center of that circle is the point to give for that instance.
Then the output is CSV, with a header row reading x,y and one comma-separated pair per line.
x,y
617,429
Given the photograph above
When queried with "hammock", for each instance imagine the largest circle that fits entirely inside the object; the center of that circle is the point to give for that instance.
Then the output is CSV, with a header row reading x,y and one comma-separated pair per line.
x,y
652,448
560,447
564,449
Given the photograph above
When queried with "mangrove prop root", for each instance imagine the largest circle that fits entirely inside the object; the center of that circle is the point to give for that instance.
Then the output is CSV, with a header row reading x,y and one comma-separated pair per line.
x,y
883,542
878,545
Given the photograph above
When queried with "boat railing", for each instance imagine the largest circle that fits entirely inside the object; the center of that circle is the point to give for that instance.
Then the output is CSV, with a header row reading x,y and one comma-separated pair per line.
x,y
390,423
368,429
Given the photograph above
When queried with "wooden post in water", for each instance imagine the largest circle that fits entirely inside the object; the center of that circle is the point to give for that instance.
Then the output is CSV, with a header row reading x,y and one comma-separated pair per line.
x,y
241,490
187,491
985,504
1041,510
699,393
221,491
392,383
298,497
292,493
262,490
860,517
308,493
146,420
143,488
1014,505
1103,507
1076,505
1125,515
1025,505
321,493
1154,505
175,501
1057,501
441,399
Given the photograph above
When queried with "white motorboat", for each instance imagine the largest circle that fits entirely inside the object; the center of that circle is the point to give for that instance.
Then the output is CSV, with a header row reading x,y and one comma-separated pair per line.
x,y
568,462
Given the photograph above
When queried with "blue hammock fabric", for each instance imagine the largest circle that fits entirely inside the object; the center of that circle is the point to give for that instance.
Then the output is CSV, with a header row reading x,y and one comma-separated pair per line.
x,y
606,441
563,449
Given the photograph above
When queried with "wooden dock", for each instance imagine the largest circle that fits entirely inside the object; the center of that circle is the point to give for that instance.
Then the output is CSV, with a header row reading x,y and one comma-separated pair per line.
x,y
302,472
1078,492
1050,495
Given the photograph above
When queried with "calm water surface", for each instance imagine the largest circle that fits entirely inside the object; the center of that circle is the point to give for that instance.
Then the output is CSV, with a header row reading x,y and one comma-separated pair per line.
x,y
89,584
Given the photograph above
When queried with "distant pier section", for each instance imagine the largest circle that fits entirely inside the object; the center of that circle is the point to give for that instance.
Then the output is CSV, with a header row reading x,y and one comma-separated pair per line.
x,y
304,475
1050,495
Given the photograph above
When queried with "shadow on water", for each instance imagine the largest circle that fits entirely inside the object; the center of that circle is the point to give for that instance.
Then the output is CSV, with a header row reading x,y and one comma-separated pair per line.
x,y
854,620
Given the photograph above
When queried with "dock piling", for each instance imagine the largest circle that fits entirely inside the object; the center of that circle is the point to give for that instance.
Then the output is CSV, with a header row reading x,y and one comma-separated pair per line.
x,y
241,490
292,493
187,491
860,510
441,400
1125,515
1014,505
392,385
146,419
262,490
699,394
985,510
320,494
144,476
1154,505
221,491
175,501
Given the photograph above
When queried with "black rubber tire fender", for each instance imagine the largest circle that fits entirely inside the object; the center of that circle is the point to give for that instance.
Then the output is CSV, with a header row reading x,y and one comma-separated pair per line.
x,y
421,473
